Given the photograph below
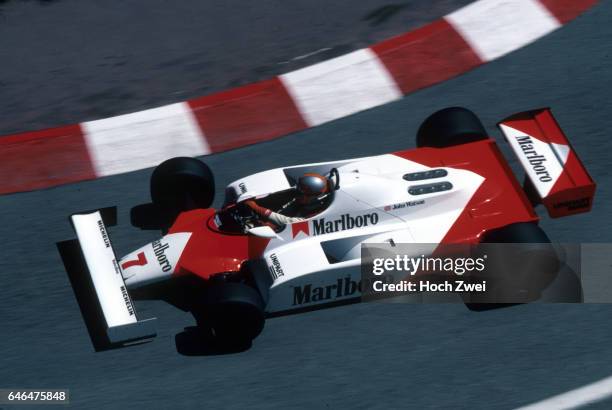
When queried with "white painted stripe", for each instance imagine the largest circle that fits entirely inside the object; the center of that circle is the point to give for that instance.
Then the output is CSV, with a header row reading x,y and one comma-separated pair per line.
x,y
574,399
494,28
341,86
143,139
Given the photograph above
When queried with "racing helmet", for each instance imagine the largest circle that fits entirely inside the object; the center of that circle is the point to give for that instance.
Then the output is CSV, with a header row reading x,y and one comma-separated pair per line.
x,y
312,188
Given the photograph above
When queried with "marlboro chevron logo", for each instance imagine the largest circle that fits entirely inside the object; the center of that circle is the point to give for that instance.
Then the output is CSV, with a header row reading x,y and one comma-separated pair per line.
x,y
535,160
324,226
298,227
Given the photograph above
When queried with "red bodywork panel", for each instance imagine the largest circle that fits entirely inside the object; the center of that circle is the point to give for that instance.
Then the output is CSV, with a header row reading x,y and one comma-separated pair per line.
x,y
499,201
211,251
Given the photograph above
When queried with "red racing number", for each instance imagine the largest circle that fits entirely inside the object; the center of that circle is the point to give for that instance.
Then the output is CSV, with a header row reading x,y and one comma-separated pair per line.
x,y
141,261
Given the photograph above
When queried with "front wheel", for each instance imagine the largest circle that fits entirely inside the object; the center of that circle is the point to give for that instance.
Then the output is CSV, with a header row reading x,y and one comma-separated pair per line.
x,y
182,184
232,312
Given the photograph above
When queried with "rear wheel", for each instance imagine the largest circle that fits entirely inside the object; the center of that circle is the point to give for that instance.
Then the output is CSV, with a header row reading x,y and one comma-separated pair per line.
x,y
232,312
522,232
516,274
182,184
450,126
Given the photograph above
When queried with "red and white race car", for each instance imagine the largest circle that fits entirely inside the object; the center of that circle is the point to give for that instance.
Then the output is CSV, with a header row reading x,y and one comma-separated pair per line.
x,y
231,271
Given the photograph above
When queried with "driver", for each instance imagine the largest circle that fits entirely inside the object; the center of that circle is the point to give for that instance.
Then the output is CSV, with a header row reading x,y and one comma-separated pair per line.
x,y
311,190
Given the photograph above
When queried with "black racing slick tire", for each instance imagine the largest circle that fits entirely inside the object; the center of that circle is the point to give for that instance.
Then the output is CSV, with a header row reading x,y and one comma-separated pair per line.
x,y
522,232
233,312
182,184
449,127
516,274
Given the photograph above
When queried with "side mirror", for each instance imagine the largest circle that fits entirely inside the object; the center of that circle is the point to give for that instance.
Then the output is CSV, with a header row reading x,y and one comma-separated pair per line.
x,y
263,232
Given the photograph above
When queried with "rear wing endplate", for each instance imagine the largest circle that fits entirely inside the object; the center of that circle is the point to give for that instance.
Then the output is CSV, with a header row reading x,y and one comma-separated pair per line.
x,y
119,315
561,181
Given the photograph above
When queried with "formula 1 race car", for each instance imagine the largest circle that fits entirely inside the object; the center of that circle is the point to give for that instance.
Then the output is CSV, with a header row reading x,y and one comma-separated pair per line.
x,y
231,270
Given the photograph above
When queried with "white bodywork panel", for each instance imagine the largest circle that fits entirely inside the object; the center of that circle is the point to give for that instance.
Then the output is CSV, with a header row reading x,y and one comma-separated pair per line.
x,y
318,261
155,261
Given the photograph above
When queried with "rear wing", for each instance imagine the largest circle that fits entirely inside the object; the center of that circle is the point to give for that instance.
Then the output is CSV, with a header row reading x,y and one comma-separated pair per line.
x,y
557,175
120,323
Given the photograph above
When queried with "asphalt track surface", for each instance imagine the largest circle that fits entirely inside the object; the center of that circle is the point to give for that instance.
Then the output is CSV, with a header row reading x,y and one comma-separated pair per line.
x,y
358,356
67,61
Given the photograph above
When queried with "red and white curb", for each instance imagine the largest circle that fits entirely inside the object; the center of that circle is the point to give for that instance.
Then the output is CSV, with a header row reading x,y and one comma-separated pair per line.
x,y
577,398
471,36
